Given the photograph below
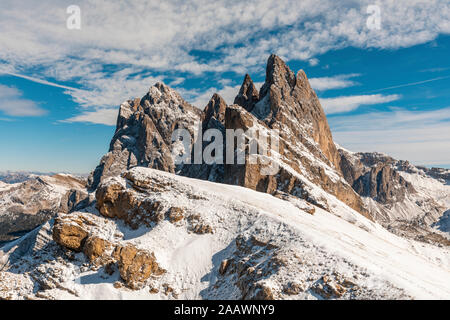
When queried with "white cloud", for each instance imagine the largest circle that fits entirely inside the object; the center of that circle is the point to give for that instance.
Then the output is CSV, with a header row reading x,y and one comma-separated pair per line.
x,y
228,93
349,103
313,62
418,136
13,104
335,82
37,80
100,116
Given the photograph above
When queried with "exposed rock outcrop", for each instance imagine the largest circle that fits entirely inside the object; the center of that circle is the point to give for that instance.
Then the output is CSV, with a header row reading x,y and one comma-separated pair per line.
x,y
80,234
286,103
114,200
213,117
408,200
95,247
69,234
262,247
136,266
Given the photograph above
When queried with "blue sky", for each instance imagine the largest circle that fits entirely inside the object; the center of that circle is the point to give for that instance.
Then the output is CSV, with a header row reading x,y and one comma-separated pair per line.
x,y
383,90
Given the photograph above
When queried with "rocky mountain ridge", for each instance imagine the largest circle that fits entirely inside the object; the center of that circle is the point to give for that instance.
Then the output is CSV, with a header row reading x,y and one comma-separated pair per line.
x,y
285,103
26,205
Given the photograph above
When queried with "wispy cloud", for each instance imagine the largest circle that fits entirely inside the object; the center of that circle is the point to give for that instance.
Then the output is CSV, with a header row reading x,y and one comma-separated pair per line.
x,y
227,92
165,41
101,116
335,82
349,103
13,104
409,84
313,62
418,136
37,80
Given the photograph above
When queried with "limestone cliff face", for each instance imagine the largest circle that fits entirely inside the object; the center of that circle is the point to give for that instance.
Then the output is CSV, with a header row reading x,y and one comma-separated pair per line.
x,y
144,132
288,104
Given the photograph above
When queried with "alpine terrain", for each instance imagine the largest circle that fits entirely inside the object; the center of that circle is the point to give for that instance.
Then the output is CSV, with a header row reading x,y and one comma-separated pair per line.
x,y
327,223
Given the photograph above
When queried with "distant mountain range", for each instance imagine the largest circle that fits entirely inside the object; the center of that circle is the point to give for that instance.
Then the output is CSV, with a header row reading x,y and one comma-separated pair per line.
x,y
21,176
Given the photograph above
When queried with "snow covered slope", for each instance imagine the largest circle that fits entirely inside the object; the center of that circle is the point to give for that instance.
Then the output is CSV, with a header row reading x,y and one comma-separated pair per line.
x,y
217,241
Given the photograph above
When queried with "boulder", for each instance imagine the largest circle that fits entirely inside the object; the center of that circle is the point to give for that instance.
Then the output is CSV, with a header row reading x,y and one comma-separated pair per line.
x,y
69,235
135,265
95,247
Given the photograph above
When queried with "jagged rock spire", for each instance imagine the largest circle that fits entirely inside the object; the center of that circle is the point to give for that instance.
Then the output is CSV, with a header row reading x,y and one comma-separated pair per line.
x,y
287,101
278,74
248,94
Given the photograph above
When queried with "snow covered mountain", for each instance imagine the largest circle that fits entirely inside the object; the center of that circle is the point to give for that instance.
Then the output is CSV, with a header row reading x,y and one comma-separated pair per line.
x,y
329,224
410,201
198,239
18,176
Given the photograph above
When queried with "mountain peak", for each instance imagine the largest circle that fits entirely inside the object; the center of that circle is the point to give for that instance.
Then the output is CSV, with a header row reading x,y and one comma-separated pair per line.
x,y
161,91
278,73
248,94
215,109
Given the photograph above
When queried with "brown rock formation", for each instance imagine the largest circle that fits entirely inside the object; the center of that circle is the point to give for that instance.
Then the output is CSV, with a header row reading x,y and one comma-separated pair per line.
x,y
214,111
69,235
78,233
144,130
288,104
95,247
248,94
